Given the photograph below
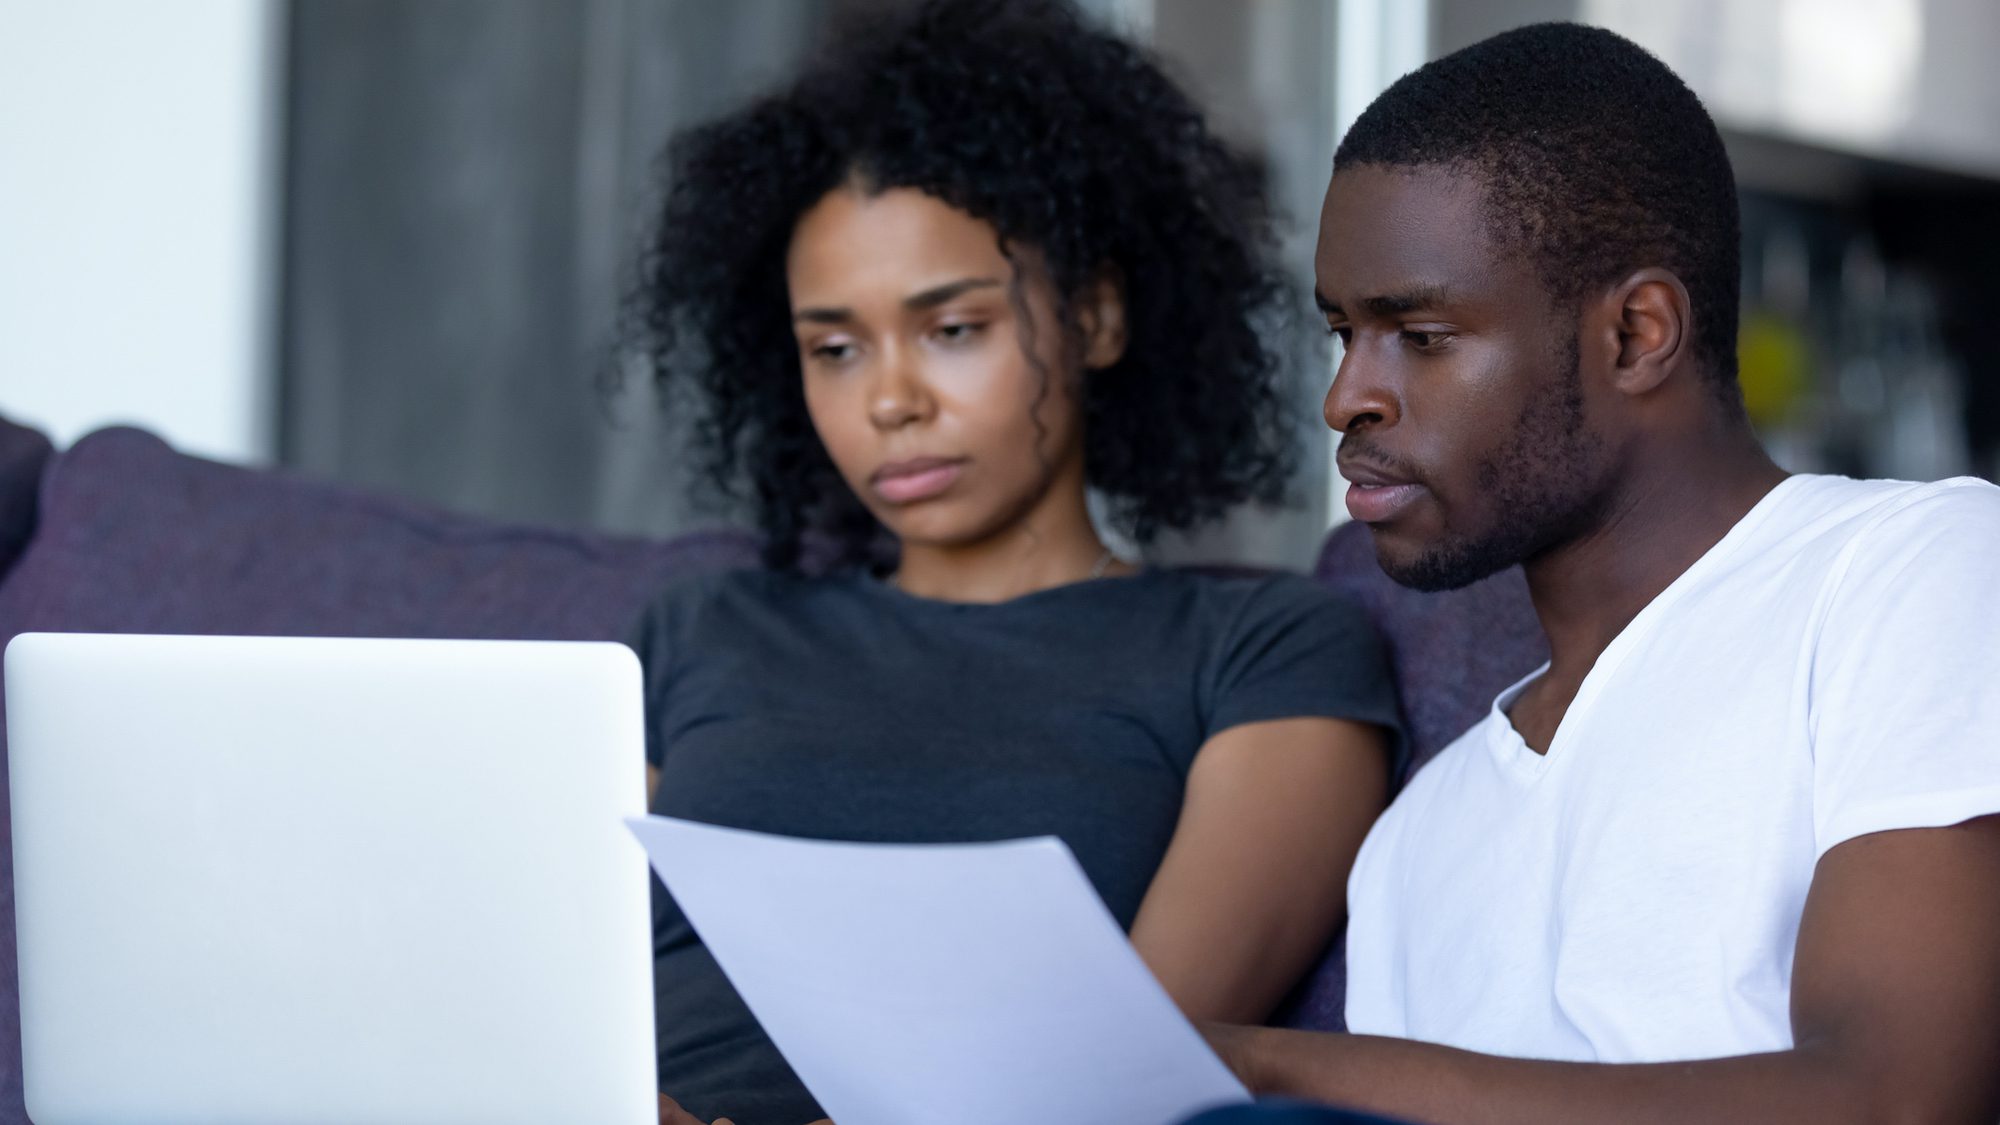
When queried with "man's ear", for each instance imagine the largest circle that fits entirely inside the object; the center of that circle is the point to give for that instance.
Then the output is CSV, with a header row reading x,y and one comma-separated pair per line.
x,y
1652,322
1100,313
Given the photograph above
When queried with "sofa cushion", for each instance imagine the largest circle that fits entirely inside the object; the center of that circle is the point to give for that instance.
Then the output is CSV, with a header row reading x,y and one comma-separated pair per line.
x,y
1452,652
136,538
24,453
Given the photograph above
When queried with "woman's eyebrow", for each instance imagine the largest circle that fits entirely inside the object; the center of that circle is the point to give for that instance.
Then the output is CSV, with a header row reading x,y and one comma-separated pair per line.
x,y
928,299
824,315
938,295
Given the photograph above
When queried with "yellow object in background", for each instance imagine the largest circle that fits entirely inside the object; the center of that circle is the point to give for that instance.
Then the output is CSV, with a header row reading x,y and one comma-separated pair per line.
x,y
1774,364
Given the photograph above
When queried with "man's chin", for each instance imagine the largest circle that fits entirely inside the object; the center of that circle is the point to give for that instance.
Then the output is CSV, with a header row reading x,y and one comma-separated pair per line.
x,y
1435,567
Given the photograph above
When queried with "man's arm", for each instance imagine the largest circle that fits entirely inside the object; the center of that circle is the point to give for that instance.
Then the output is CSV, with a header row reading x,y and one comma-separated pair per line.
x,y
1895,1017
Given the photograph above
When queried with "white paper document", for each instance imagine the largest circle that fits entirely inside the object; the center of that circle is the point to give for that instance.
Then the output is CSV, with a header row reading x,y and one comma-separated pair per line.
x,y
974,984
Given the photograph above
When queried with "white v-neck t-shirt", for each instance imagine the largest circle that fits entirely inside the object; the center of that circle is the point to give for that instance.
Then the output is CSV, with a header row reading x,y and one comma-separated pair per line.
x,y
1830,668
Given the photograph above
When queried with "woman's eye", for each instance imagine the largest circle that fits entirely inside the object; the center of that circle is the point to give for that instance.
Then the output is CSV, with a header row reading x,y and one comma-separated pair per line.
x,y
832,353
958,333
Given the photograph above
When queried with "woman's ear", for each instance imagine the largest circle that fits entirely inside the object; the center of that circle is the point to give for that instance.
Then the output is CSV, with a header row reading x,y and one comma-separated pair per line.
x,y
1100,313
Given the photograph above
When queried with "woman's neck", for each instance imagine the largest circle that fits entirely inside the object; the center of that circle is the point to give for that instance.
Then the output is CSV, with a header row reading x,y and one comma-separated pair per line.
x,y
1054,545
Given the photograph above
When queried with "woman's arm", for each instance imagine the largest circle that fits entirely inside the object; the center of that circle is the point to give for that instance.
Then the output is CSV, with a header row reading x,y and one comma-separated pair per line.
x,y
1254,883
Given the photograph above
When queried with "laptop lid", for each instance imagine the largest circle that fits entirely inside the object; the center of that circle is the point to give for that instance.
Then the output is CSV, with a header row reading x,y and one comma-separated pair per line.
x,y
284,880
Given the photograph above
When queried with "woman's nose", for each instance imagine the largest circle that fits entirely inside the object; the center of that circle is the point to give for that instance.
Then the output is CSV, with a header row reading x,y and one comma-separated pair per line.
x,y
899,395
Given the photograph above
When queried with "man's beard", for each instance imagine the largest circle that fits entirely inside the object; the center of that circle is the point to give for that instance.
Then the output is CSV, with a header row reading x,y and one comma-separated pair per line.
x,y
1543,486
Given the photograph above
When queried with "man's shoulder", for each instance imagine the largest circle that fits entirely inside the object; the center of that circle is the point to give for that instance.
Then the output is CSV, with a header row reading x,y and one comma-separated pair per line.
x,y
1957,502
1917,530
1843,509
1819,528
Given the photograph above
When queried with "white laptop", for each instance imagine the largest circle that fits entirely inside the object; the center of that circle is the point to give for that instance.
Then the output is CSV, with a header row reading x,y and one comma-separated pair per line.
x,y
284,881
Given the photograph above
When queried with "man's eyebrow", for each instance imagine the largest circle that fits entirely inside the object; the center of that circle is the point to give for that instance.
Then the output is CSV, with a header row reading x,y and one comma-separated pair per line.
x,y
1407,301
1390,304
916,302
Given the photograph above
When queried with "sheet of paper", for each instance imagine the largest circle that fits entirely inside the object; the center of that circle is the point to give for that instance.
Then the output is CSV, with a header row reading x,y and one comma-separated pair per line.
x,y
979,984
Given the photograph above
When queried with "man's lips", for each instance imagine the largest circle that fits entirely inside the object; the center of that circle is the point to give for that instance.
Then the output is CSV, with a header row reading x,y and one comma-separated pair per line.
x,y
919,478
1376,495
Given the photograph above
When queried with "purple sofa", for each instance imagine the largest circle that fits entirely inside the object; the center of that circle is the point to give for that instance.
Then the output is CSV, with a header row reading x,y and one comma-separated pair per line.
x,y
120,533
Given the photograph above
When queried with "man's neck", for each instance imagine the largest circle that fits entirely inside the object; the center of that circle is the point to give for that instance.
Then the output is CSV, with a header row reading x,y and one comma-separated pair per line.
x,y
1673,510
1675,506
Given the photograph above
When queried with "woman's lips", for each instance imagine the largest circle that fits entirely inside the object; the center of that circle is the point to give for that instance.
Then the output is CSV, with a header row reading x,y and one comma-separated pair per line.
x,y
1379,503
907,482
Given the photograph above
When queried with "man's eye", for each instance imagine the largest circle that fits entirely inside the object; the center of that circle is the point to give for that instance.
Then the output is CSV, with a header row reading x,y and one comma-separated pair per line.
x,y
1343,333
1425,341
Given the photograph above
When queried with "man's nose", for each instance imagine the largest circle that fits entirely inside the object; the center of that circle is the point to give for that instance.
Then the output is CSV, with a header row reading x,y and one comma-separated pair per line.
x,y
1360,396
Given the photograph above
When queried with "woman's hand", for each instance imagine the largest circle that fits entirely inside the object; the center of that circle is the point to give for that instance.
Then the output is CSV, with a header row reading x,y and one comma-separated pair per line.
x,y
671,1113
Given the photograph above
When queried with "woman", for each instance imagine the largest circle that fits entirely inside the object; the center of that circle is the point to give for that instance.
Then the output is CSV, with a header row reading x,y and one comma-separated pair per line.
x,y
979,259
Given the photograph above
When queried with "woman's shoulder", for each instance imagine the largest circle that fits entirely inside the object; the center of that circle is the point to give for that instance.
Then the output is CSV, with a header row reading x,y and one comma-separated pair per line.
x,y
1246,596
735,611
1259,620
743,589
1285,646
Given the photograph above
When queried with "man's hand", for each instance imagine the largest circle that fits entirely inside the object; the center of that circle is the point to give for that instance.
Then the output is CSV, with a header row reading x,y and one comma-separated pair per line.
x,y
1895,1016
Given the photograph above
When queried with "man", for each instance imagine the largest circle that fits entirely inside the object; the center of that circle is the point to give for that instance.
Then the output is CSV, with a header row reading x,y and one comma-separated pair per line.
x,y
1745,814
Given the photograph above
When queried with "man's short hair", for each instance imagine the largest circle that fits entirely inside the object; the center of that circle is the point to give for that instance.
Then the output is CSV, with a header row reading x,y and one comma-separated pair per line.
x,y
1596,158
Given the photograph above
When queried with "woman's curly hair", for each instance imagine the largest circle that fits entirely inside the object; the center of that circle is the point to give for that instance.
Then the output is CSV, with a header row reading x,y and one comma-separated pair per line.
x,y
1065,139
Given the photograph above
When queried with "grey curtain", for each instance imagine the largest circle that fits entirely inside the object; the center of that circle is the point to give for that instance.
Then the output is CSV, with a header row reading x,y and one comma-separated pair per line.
x,y
467,182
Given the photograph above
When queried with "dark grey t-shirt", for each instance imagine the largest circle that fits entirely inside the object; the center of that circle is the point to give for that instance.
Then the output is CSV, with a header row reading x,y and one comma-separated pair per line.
x,y
841,708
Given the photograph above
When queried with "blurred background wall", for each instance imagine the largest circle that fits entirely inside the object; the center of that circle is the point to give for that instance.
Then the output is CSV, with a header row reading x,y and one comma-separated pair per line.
x,y
138,188
384,241
468,181
1866,140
